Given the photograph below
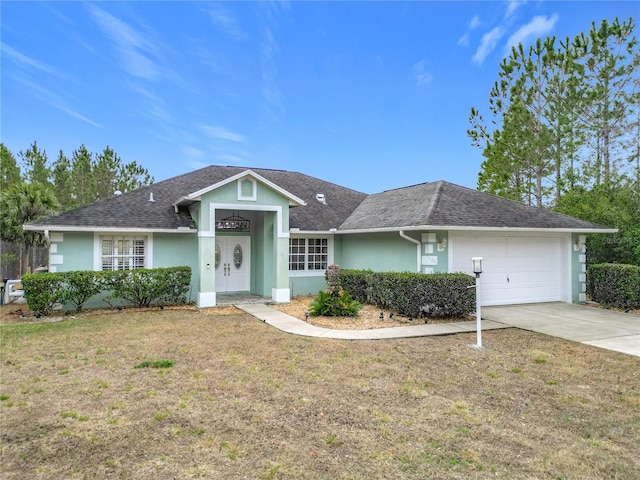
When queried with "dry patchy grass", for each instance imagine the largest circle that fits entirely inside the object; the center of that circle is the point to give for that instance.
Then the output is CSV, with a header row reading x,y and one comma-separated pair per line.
x,y
244,400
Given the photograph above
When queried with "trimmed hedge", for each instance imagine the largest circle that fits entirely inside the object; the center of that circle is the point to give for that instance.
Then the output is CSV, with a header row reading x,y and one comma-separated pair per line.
x,y
43,291
445,294
157,286
614,285
141,288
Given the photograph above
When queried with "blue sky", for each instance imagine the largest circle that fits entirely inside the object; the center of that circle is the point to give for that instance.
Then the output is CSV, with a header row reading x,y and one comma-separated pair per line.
x,y
370,95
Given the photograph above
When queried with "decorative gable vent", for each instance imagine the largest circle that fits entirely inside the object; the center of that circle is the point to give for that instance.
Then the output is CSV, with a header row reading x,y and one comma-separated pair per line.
x,y
320,197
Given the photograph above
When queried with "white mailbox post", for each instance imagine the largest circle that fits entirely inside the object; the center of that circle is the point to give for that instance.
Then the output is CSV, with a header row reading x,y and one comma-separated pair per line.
x,y
477,269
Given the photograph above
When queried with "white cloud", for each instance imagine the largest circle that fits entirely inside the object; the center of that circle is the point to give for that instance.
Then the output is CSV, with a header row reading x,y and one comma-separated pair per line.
x,y
539,26
25,61
192,153
464,40
488,44
134,48
473,24
512,6
221,133
422,76
222,18
53,99
270,89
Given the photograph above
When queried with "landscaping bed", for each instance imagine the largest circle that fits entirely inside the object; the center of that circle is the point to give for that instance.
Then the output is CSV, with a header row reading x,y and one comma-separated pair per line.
x,y
368,317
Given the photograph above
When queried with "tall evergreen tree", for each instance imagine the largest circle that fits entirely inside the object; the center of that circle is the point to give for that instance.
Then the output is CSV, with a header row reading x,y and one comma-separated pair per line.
x,y
610,60
520,100
9,169
105,171
82,176
35,164
131,176
62,181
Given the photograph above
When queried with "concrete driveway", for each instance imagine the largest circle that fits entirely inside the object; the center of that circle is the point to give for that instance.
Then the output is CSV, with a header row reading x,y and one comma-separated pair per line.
x,y
593,326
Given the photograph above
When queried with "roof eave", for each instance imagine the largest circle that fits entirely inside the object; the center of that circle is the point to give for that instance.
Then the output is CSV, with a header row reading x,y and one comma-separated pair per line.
x,y
103,229
478,229
294,201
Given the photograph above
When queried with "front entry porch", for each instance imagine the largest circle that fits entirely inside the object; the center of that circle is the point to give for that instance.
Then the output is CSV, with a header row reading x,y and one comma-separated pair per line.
x,y
241,298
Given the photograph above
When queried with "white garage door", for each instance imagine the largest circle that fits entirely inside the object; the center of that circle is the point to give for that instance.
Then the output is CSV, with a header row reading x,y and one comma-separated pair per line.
x,y
515,269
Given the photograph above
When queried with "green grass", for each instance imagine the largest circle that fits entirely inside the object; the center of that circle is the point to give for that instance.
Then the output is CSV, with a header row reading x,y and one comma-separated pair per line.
x,y
155,364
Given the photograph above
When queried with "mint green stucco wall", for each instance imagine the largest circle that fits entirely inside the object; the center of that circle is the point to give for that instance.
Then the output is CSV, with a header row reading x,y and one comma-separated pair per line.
x,y
176,250
307,285
380,252
75,251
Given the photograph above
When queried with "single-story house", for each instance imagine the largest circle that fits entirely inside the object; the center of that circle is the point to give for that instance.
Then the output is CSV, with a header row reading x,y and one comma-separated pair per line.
x,y
273,233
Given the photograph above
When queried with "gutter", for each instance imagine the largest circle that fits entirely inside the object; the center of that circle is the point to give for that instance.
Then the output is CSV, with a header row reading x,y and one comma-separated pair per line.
x,y
432,228
418,245
69,228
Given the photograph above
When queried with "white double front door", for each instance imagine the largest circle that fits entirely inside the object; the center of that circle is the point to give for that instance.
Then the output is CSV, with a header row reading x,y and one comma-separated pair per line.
x,y
233,264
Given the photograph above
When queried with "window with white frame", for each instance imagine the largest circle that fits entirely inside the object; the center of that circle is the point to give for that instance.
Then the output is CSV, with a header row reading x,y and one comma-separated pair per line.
x,y
123,253
308,254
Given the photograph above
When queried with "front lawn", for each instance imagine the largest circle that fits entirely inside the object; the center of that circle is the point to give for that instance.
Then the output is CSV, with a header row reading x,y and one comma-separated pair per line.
x,y
226,396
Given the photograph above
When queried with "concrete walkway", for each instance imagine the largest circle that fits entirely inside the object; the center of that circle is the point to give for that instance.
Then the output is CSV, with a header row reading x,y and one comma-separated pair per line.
x,y
290,324
592,326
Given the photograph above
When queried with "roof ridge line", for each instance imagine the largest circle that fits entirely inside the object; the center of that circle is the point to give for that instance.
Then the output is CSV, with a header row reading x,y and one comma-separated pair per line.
x,y
436,200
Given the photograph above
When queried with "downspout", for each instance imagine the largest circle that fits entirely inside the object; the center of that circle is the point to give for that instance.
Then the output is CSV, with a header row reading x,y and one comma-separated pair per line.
x,y
418,244
47,240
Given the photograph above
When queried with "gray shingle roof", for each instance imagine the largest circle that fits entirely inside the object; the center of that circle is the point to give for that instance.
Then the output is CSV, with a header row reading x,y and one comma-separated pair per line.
x,y
134,210
428,204
446,204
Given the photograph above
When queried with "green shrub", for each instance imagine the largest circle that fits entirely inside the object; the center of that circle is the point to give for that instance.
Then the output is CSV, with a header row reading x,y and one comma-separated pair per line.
x,y
338,304
356,282
447,294
614,285
80,286
43,292
158,286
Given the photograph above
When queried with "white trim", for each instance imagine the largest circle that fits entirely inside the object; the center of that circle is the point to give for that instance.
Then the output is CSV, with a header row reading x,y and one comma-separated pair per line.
x,y
206,234
56,259
293,200
258,208
281,295
254,190
312,233
306,273
57,237
330,255
206,299
480,229
113,230
97,249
